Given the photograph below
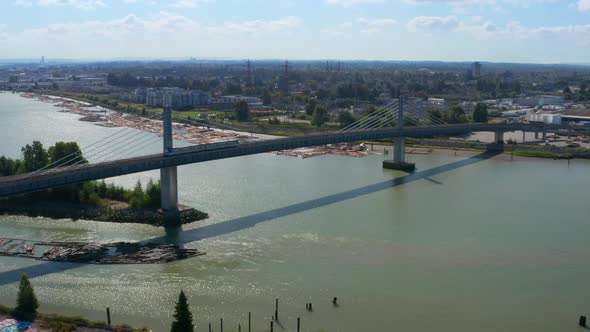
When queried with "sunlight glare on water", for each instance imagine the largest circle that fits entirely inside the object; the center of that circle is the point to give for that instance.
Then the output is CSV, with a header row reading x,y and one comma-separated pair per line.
x,y
479,244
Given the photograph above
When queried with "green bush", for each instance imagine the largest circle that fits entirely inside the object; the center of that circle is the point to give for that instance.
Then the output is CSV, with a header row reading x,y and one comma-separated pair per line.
x,y
5,310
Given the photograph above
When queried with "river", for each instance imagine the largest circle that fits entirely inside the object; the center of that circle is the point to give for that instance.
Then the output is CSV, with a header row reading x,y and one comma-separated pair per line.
x,y
464,244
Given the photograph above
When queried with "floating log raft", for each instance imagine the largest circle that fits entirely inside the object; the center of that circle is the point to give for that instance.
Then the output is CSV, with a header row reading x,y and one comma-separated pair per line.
x,y
341,149
95,253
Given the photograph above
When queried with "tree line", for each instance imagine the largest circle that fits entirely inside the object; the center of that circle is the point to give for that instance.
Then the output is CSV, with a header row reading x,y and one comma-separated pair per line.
x,y
36,157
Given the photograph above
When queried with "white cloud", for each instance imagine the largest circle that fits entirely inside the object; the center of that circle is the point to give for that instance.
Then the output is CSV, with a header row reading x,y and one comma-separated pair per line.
x,y
188,3
377,22
584,5
23,3
160,35
373,26
512,31
349,3
82,4
257,26
433,23
462,6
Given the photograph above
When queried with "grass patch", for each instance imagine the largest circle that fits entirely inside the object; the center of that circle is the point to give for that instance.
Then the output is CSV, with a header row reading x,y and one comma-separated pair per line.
x,y
62,323
541,154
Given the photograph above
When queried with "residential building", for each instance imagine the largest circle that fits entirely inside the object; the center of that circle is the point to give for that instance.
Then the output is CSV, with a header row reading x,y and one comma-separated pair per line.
x,y
176,98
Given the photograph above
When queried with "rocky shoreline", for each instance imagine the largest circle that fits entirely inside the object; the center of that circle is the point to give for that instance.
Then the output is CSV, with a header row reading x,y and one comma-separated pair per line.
x,y
103,214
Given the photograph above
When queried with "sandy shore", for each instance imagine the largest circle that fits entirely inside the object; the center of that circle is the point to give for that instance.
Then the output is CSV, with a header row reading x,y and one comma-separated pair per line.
x,y
108,118
185,132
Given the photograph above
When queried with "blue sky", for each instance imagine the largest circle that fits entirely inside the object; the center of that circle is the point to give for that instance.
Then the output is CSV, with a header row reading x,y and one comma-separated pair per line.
x,y
543,31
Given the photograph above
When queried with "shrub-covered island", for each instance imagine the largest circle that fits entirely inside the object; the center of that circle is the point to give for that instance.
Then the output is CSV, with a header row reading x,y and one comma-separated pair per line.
x,y
93,200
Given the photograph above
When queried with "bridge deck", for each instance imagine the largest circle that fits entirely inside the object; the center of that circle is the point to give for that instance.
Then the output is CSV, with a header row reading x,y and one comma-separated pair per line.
x,y
14,185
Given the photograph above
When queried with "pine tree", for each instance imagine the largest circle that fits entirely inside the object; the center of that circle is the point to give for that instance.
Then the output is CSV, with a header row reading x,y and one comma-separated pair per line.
x,y
26,302
182,315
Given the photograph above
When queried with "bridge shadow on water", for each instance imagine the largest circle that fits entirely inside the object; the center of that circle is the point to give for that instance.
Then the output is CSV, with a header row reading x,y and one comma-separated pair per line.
x,y
178,236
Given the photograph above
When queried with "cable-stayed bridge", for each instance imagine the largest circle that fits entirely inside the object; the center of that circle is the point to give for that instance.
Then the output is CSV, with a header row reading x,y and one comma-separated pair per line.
x,y
396,120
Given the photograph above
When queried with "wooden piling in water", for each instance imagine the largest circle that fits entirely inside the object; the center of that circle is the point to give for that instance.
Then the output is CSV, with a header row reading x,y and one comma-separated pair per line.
x,y
109,316
209,327
298,324
221,319
271,326
249,322
582,321
277,309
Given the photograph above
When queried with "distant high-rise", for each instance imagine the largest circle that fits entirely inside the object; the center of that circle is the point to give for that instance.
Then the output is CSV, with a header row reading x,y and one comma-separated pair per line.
x,y
43,60
476,69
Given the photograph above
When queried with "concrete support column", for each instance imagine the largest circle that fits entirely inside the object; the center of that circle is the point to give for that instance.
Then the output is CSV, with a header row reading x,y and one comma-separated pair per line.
x,y
169,183
499,137
544,135
523,136
169,175
536,135
399,150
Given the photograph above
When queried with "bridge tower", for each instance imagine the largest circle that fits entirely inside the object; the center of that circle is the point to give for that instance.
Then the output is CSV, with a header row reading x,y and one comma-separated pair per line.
x,y
169,175
399,146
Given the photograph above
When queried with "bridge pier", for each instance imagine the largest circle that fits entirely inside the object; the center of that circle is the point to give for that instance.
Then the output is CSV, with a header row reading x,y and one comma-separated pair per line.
x,y
399,147
169,175
169,184
544,135
499,137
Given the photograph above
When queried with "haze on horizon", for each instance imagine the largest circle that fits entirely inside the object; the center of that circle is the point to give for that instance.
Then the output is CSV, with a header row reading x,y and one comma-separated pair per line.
x,y
533,31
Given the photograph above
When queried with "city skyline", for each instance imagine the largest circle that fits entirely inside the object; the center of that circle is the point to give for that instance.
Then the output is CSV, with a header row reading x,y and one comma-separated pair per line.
x,y
535,31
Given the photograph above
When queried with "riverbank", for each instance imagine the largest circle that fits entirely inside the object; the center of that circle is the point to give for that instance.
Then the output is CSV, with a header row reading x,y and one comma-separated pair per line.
x,y
523,150
422,146
138,119
53,322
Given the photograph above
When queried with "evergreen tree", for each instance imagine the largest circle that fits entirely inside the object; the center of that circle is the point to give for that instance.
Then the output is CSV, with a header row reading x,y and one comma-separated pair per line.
x,y
34,157
320,116
69,151
455,115
242,111
266,98
26,301
311,105
481,113
183,318
345,118
435,116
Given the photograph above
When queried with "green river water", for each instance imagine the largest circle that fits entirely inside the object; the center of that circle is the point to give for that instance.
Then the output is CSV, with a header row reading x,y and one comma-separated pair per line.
x,y
464,244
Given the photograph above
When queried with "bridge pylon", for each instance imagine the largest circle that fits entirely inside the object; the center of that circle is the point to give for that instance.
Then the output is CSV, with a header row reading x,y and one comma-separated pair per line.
x,y
399,146
169,175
